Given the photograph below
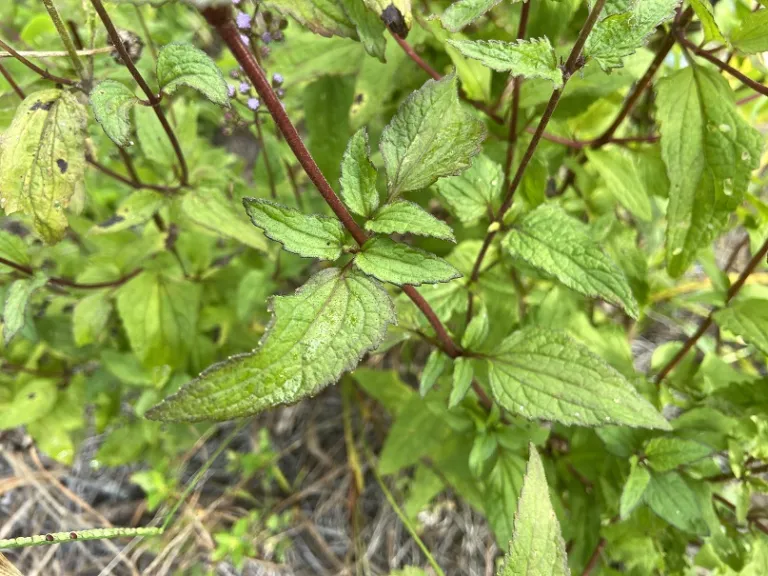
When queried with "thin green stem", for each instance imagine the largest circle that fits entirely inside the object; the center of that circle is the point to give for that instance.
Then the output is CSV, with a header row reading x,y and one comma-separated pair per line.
x,y
203,469
403,518
66,39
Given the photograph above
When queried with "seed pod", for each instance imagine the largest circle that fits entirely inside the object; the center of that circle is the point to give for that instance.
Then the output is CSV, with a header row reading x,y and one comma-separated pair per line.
x,y
132,43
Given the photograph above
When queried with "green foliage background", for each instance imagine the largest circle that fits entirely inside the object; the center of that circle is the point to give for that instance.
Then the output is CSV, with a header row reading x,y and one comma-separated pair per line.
x,y
578,196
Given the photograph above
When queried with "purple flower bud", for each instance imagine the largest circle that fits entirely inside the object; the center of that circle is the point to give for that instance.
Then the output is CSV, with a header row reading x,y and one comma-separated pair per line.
x,y
265,51
230,90
278,36
253,104
280,92
243,21
277,79
245,39
266,37
234,74
245,88
235,2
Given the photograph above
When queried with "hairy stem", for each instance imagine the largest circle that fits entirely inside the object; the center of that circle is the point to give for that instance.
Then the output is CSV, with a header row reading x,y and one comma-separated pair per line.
x,y
153,98
707,322
221,19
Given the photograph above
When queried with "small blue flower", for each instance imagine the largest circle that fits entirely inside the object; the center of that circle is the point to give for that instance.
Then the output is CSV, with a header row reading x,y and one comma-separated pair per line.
x,y
266,37
245,39
245,88
243,21
277,79
230,90
253,104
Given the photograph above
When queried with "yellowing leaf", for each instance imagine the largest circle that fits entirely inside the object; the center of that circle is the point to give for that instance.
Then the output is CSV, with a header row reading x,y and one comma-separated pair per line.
x,y
42,160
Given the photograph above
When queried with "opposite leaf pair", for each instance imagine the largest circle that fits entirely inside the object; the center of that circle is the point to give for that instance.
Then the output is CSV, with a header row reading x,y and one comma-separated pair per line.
x,y
178,64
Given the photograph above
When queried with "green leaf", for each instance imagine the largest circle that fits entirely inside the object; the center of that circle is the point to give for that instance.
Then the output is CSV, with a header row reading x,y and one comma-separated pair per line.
x,y
326,116
42,160
136,209
623,181
502,490
550,240
181,64
477,330
673,499
619,35
666,454
208,208
318,333
374,85
153,140
463,373
710,151
540,373
533,58
403,217
474,77
308,236
358,177
159,315
16,301
414,421
537,547
433,369
324,17
429,137
473,194
397,263
464,12
13,248
634,488
32,401
370,28
747,318
703,9
752,36
90,317
112,102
